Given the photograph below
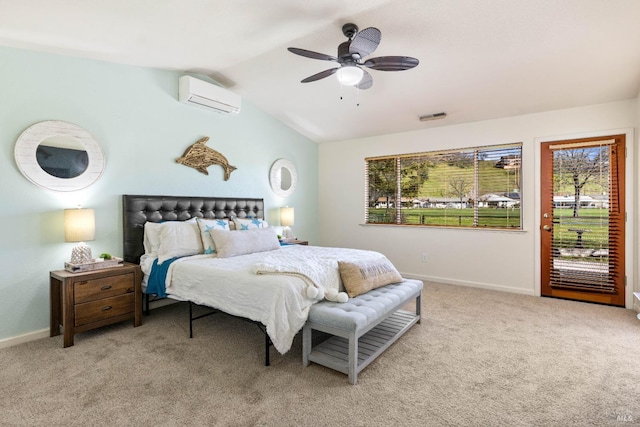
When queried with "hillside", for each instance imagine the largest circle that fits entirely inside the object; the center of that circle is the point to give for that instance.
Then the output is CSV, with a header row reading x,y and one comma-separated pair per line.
x,y
494,180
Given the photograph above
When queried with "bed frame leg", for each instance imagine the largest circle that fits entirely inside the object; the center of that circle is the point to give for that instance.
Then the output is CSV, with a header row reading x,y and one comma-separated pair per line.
x,y
267,340
267,344
190,319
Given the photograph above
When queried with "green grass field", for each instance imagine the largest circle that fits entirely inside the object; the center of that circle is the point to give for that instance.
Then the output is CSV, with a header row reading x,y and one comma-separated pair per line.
x,y
594,221
487,217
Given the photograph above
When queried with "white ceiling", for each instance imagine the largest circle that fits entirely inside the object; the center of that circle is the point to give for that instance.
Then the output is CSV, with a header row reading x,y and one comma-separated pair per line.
x,y
479,59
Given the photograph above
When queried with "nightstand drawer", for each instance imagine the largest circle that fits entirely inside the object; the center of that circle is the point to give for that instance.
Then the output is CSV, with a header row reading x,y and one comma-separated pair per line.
x,y
95,289
104,309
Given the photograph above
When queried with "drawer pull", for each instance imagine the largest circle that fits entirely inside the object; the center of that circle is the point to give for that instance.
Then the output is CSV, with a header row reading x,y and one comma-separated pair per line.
x,y
105,288
106,308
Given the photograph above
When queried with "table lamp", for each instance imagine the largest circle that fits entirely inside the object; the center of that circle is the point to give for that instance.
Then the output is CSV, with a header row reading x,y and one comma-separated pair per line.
x,y
79,226
286,220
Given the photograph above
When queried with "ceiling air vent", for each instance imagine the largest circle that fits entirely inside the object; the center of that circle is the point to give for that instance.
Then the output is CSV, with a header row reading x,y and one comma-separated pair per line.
x,y
434,116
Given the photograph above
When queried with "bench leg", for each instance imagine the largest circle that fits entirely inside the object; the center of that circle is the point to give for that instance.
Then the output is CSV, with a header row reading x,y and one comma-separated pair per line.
x,y
306,345
353,358
419,307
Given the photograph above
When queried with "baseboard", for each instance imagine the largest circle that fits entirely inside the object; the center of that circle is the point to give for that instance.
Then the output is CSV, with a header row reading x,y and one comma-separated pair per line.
x,y
488,286
44,333
21,339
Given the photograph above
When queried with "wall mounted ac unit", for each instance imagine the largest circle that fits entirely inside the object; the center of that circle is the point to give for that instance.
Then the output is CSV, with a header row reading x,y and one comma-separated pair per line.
x,y
207,95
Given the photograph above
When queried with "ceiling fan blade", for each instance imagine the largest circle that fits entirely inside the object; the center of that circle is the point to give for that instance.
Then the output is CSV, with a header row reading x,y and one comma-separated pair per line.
x,y
366,82
320,75
365,42
391,63
311,54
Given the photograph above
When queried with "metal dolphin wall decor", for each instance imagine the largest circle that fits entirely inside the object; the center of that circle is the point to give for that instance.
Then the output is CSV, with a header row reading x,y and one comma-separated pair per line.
x,y
200,157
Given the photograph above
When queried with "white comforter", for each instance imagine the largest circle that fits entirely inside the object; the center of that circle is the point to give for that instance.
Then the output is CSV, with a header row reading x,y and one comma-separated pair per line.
x,y
279,302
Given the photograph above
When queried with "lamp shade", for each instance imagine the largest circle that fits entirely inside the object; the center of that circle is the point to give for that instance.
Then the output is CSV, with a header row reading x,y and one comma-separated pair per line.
x,y
349,75
79,225
286,216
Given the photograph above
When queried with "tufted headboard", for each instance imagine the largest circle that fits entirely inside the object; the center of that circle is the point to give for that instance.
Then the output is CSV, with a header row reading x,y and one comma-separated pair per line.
x,y
137,210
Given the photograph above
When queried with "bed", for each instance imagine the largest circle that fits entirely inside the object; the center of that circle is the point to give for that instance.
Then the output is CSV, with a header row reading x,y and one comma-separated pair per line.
x,y
267,287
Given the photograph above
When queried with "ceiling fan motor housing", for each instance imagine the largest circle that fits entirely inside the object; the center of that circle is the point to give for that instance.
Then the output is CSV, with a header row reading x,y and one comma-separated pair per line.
x,y
349,30
344,55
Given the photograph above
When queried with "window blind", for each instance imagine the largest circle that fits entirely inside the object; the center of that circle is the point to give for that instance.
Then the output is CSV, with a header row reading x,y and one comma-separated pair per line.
x,y
470,187
588,219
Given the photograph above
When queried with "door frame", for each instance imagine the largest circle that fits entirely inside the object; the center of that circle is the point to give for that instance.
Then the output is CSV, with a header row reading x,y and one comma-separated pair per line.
x,y
631,203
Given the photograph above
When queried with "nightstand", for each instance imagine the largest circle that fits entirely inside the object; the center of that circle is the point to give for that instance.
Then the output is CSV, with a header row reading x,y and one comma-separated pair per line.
x,y
294,242
89,300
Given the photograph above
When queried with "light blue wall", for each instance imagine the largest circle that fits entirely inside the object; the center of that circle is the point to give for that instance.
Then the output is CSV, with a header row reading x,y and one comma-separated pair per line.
x,y
142,128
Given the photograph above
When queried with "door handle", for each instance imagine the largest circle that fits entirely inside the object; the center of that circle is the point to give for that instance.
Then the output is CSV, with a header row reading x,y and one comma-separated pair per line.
x,y
547,227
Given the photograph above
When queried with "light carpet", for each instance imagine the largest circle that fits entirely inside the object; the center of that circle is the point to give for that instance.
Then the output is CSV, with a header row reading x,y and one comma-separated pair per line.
x,y
479,358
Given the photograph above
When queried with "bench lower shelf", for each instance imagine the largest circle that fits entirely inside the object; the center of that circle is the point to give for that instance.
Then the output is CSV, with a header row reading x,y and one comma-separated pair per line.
x,y
334,352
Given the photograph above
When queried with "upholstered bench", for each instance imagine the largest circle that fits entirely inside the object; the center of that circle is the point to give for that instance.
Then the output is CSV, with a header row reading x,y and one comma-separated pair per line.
x,y
362,328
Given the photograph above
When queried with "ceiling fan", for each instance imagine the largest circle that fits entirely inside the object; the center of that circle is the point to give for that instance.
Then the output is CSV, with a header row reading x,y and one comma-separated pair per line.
x,y
351,58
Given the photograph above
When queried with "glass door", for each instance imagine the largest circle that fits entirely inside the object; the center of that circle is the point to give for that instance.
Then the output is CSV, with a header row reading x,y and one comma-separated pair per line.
x,y
583,220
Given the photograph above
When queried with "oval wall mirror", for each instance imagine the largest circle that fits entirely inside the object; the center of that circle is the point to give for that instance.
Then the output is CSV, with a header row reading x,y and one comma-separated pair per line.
x,y
283,177
59,156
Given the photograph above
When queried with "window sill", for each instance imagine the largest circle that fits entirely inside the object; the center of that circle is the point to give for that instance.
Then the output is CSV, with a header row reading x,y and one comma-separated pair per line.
x,y
494,229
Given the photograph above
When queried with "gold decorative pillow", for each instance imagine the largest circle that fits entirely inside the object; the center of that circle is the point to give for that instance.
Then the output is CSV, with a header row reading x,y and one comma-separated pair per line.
x,y
362,276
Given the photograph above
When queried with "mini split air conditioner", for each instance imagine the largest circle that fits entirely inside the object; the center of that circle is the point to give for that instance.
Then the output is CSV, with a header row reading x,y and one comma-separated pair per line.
x,y
207,95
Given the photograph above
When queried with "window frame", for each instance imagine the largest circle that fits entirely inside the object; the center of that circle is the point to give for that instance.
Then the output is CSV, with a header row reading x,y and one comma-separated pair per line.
x,y
480,154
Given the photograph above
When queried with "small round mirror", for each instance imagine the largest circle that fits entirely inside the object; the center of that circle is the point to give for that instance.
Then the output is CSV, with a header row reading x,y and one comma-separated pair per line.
x,y
59,156
62,157
283,177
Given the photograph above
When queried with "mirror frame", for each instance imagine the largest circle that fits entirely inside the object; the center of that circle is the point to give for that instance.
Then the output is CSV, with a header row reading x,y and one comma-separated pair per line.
x,y
27,144
275,177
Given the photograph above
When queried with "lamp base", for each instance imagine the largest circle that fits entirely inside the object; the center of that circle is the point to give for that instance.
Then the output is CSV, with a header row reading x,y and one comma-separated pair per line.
x,y
287,233
81,254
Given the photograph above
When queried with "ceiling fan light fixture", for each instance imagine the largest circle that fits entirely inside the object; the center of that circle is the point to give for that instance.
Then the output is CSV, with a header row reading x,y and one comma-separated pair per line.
x,y
349,75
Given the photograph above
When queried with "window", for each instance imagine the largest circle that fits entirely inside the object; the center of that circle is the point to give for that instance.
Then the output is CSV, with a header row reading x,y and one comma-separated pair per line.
x,y
471,187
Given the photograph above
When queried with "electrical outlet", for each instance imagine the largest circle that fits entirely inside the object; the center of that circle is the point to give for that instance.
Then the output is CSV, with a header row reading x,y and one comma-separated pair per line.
x,y
425,257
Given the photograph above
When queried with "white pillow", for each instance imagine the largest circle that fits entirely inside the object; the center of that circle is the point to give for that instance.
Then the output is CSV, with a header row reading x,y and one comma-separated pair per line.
x,y
152,238
249,224
179,238
233,243
205,225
